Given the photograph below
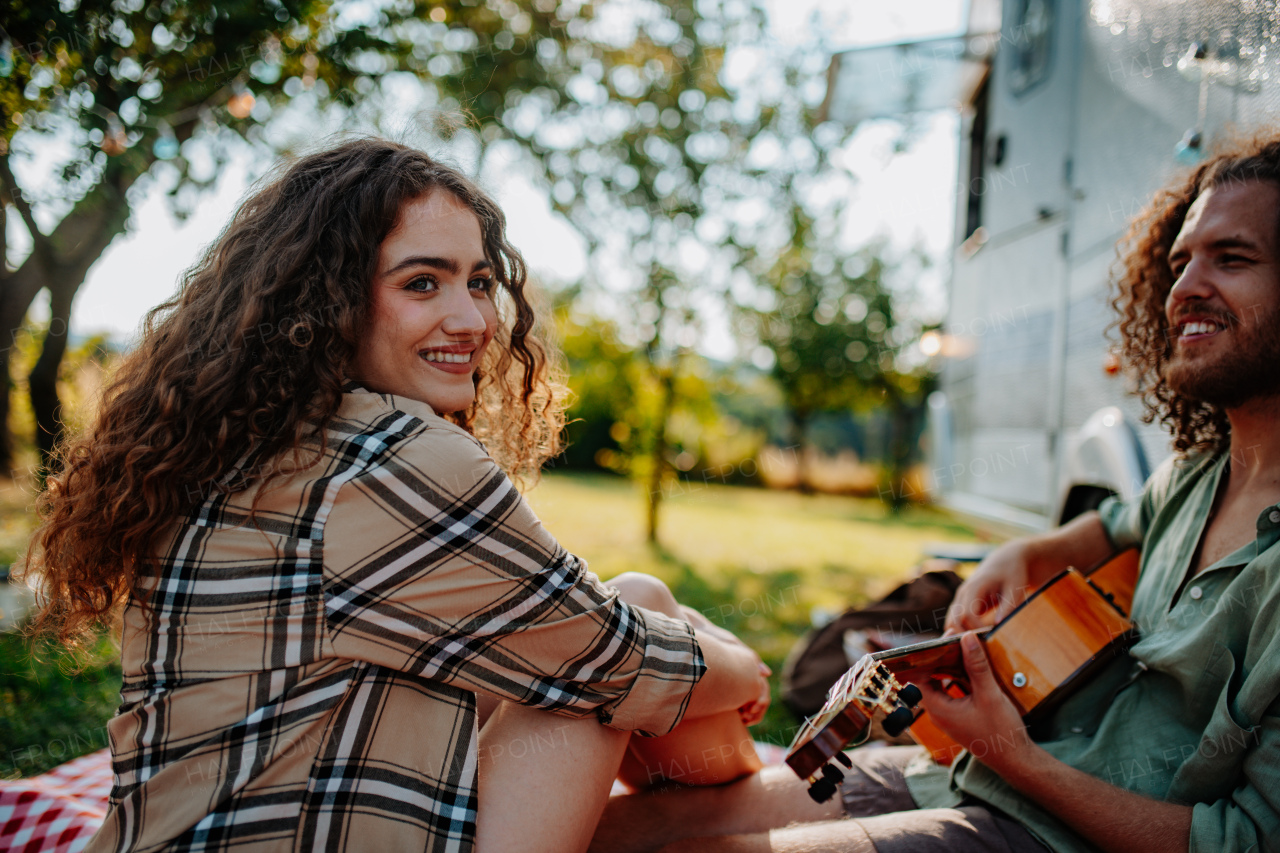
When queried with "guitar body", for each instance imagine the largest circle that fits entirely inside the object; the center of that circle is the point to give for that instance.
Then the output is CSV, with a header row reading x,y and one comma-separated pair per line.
x,y
708,750
1050,644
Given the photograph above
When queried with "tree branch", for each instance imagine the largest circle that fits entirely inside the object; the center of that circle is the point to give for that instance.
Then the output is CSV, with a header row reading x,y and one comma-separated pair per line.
x,y
40,245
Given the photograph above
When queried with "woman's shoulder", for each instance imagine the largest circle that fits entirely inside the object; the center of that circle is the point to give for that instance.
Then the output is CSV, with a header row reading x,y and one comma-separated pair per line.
x,y
408,433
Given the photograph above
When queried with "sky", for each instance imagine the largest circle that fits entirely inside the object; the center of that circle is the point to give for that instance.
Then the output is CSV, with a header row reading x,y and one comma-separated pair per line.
x,y
904,197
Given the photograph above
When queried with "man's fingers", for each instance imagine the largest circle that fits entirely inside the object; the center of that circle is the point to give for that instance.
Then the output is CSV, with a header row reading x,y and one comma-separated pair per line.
x,y
976,662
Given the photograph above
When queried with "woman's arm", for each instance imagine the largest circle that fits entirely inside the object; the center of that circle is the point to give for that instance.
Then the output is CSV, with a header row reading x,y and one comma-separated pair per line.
x,y
733,668
436,567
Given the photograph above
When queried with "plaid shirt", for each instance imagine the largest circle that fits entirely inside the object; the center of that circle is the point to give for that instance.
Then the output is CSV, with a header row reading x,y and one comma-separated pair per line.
x,y
305,679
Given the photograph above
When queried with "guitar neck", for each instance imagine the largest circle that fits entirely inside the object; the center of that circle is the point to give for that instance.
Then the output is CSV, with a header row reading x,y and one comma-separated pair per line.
x,y
919,662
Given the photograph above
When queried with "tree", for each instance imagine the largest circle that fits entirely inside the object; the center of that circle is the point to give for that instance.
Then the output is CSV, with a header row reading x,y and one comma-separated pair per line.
x,y
660,157
126,84
129,85
677,168
835,338
603,379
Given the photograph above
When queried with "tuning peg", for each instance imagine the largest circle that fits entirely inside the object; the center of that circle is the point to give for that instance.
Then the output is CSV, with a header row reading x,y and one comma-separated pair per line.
x,y
844,759
910,695
822,790
897,721
832,774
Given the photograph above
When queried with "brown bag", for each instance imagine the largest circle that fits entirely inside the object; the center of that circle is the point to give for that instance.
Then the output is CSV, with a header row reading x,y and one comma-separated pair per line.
x,y
913,612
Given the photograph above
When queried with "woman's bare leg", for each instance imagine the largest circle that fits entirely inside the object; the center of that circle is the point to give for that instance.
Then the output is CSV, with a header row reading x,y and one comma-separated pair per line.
x,y
770,799
641,590
543,780
839,836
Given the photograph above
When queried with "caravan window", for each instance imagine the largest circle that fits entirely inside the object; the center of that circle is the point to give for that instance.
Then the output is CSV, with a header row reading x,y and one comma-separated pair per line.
x,y
1028,39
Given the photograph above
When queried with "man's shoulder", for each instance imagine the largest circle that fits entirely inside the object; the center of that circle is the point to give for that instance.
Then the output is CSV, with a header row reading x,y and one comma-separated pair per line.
x,y
1182,470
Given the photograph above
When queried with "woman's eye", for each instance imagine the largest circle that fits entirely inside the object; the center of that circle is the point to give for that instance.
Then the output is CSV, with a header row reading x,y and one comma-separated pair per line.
x,y
484,284
421,284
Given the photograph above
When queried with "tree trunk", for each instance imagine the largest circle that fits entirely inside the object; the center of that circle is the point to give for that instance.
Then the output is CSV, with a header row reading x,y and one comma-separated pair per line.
x,y
666,402
42,382
799,427
899,452
58,261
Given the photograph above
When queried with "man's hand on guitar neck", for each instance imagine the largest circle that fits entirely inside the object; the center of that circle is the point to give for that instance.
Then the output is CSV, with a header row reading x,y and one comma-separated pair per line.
x,y
987,723
1015,569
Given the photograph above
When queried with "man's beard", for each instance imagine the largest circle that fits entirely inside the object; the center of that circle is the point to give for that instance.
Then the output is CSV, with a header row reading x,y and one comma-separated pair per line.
x,y
1229,379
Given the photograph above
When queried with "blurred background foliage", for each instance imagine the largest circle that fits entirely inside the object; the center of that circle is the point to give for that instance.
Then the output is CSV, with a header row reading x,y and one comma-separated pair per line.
x,y
681,141
677,138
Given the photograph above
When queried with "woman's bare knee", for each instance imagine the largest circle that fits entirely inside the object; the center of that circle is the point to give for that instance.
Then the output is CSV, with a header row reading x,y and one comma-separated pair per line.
x,y
641,590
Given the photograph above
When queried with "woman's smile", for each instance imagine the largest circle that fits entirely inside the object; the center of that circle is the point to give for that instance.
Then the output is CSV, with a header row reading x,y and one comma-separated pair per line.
x,y
431,317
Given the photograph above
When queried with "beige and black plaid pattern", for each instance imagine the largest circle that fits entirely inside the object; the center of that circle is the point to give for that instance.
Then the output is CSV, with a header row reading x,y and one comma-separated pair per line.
x,y
304,679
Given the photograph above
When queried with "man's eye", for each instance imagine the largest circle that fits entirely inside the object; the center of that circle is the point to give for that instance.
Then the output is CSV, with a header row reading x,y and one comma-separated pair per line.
x,y
421,284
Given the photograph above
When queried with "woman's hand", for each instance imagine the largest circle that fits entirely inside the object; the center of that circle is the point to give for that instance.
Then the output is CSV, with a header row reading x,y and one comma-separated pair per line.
x,y
753,712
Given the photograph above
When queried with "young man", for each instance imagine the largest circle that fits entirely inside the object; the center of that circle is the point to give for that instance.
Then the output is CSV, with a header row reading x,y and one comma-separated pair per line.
x,y
1174,747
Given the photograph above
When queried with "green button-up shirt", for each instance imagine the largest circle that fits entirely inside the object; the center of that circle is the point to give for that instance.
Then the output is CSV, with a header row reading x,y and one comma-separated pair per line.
x,y
1192,713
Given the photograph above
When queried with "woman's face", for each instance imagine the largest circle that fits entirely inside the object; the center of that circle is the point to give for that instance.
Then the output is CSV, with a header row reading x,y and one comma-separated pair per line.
x,y
431,315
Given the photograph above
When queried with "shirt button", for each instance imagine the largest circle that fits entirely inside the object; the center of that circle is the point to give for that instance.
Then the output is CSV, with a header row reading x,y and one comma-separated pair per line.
x,y
1195,592
1274,516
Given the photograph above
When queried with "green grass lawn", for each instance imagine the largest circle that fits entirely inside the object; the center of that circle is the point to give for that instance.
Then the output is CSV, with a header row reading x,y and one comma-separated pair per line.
x,y
755,561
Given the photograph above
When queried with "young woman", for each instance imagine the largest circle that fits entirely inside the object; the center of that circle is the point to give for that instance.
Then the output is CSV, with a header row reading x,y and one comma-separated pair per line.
x,y
321,565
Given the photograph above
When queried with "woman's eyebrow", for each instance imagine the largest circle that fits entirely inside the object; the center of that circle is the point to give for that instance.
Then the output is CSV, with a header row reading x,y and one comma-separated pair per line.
x,y
448,265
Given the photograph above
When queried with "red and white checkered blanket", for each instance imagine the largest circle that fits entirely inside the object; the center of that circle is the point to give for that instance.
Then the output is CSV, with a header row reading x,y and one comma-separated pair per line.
x,y
57,812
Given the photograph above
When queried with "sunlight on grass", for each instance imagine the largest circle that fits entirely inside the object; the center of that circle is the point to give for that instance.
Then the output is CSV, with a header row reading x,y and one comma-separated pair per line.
x,y
845,546
17,514
757,562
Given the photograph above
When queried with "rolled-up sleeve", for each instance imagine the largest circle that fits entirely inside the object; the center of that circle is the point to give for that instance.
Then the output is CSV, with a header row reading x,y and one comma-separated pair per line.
x,y
1127,521
437,567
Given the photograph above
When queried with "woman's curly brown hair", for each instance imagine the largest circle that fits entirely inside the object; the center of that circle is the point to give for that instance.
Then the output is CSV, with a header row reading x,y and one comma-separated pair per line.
x,y
1143,282
248,362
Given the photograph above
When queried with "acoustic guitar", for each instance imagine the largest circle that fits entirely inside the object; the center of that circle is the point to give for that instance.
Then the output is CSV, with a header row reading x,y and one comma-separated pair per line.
x,y
1051,643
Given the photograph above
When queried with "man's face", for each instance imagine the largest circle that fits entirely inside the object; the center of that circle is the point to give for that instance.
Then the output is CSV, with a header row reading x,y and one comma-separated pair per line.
x,y
1224,308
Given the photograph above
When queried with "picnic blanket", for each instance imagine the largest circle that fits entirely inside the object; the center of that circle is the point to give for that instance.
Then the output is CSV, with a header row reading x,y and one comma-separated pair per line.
x,y
60,811
57,812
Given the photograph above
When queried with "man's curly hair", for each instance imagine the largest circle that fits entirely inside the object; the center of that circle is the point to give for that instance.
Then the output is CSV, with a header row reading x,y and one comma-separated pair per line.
x,y
1143,281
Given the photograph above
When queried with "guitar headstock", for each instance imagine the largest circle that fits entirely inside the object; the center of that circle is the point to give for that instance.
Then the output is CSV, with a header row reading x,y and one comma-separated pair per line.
x,y
868,688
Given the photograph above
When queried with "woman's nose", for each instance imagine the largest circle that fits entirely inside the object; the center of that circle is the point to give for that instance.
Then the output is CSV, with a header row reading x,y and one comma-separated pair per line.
x,y
463,316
